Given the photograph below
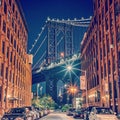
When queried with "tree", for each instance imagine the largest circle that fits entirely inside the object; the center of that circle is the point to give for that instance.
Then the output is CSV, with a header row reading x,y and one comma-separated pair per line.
x,y
44,102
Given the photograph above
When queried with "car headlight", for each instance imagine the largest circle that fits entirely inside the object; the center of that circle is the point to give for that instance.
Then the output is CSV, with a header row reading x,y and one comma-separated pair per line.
x,y
19,118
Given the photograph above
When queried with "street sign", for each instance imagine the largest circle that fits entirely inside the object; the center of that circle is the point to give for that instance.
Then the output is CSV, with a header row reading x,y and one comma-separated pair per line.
x,y
82,82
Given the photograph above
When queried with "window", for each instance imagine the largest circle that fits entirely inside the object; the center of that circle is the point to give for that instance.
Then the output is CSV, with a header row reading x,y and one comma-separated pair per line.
x,y
98,96
8,15
0,2
16,14
7,53
106,23
99,19
111,20
117,9
118,33
104,70
114,64
100,35
3,47
98,3
13,8
101,72
97,67
102,13
0,93
112,37
0,21
97,80
13,78
10,75
106,5
108,45
12,23
11,57
18,34
104,51
6,75
4,26
119,58
11,38
15,44
110,90
2,69
109,70
14,60
110,2
15,28
103,31
94,5
8,33
10,2
115,89
5,8
101,53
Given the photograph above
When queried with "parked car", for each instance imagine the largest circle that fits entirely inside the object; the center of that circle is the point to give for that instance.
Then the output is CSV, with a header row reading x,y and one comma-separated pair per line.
x,y
15,113
20,113
41,112
78,113
34,112
70,111
87,112
118,115
101,113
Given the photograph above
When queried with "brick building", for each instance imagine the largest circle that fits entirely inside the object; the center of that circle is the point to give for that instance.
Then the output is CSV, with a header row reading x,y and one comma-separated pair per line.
x,y
15,69
100,55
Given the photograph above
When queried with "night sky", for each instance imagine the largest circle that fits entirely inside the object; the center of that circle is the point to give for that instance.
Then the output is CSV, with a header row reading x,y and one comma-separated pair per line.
x,y
37,11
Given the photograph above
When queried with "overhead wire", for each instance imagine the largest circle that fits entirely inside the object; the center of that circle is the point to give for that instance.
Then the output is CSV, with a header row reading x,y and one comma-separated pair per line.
x,y
36,40
39,60
40,46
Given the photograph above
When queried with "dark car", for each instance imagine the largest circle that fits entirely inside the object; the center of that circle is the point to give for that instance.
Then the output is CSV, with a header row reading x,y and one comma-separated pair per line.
x,y
15,113
34,111
87,112
70,111
79,113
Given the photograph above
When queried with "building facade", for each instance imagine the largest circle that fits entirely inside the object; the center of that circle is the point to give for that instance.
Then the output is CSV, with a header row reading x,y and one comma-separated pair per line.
x,y
100,55
15,67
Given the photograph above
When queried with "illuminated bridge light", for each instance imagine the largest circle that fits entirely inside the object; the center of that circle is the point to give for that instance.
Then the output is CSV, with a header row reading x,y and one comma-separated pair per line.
x,y
48,19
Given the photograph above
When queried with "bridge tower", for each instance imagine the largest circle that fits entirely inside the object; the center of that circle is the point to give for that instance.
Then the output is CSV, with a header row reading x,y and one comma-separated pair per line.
x,y
66,33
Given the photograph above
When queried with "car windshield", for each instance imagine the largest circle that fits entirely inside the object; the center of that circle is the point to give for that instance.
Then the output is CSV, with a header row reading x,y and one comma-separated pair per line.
x,y
16,110
104,111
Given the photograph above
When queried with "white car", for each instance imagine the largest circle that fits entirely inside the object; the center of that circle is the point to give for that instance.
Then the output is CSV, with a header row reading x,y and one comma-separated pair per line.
x,y
101,113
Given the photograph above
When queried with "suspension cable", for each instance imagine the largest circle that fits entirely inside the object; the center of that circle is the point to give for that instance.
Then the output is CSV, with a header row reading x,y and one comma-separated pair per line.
x,y
36,40
60,41
39,60
40,46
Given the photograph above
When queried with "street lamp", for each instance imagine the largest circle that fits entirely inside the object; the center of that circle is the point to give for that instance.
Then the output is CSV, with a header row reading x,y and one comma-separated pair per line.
x,y
69,68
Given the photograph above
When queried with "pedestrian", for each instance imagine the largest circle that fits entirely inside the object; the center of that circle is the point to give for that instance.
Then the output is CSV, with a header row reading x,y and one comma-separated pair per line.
x,y
29,114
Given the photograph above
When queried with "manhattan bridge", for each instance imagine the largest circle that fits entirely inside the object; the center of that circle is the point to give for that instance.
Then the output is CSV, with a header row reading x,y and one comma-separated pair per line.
x,y
58,43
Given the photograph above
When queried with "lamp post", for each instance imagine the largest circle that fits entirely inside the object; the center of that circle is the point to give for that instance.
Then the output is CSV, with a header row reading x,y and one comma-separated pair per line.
x,y
41,90
69,68
38,90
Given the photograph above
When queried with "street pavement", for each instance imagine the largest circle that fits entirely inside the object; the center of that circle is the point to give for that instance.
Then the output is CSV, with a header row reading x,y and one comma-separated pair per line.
x,y
58,116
